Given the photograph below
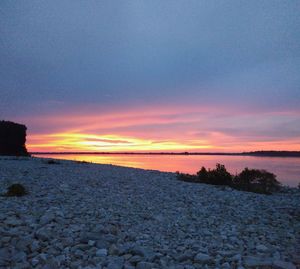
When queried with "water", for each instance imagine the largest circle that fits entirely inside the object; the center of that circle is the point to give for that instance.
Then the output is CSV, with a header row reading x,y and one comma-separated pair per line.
x,y
286,169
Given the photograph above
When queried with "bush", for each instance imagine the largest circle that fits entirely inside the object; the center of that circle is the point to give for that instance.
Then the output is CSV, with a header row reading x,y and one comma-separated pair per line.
x,y
16,190
203,174
52,162
186,177
219,176
255,180
245,178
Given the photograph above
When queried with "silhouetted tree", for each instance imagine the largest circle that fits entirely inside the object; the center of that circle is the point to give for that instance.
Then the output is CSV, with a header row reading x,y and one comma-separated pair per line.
x,y
253,180
257,180
219,176
203,174
12,139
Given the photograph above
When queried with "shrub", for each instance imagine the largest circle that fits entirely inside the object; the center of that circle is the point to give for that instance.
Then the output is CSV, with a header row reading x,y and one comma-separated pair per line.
x,y
218,176
52,162
16,190
186,177
203,174
255,180
245,178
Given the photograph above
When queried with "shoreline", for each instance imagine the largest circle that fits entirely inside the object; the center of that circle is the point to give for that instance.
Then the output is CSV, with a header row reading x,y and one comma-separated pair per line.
x,y
80,214
275,154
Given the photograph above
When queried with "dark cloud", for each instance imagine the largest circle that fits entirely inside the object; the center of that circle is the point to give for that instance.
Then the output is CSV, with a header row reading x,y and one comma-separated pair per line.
x,y
60,54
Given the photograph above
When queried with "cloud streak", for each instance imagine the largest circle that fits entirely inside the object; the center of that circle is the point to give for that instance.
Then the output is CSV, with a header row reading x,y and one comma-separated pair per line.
x,y
168,129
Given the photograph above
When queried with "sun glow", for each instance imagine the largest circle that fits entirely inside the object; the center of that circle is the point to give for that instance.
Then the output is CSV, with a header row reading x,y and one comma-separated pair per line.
x,y
70,142
162,129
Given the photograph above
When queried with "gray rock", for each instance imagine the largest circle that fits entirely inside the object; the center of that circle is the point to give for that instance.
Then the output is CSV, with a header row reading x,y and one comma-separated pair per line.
x,y
185,256
145,265
22,265
202,258
42,257
5,239
34,261
236,258
115,263
43,234
137,250
101,252
128,266
34,246
4,254
261,248
11,221
135,259
113,250
251,261
19,256
22,243
47,217
283,265
91,243
189,267
83,247
50,265
226,265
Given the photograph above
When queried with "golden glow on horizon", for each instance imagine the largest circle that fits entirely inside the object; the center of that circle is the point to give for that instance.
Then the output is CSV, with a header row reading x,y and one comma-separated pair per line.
x,y
112,143
72,142
162,128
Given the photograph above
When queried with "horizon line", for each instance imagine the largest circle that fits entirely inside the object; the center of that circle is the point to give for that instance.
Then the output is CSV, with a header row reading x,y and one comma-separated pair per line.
x,y
266,153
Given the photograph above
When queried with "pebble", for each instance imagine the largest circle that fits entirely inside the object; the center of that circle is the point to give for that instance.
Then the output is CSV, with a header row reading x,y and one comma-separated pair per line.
x,y
253,261
145,265
202,258
101,252
283,265
261,248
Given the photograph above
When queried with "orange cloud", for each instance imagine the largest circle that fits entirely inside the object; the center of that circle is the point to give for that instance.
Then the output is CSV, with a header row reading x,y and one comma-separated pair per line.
x,y
112,143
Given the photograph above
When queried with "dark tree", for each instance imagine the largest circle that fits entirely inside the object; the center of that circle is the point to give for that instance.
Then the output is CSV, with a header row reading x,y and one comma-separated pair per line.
x,y
12,139
203,175
256,180
219,176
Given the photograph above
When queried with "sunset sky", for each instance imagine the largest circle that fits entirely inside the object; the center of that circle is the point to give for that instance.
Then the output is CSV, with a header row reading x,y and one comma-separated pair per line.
x,y
152,75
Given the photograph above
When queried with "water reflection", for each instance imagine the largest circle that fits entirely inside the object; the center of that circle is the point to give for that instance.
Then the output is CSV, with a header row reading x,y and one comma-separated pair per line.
x,y
286,169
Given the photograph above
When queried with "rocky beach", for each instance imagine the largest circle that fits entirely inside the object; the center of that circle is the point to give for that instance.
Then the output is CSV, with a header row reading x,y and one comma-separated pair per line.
x,y
84,215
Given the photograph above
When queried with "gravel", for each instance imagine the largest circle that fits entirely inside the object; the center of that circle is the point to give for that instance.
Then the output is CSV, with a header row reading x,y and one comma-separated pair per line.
x,y
82,215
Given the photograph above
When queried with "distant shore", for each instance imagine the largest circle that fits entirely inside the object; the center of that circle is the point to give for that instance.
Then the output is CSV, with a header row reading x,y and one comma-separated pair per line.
x,y
295,154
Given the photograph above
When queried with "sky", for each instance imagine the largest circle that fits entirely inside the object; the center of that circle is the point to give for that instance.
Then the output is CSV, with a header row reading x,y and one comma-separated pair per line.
x,y
138,75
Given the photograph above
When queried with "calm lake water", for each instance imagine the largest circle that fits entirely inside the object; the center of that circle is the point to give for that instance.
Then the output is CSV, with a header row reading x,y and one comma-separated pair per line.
x,y
286,169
